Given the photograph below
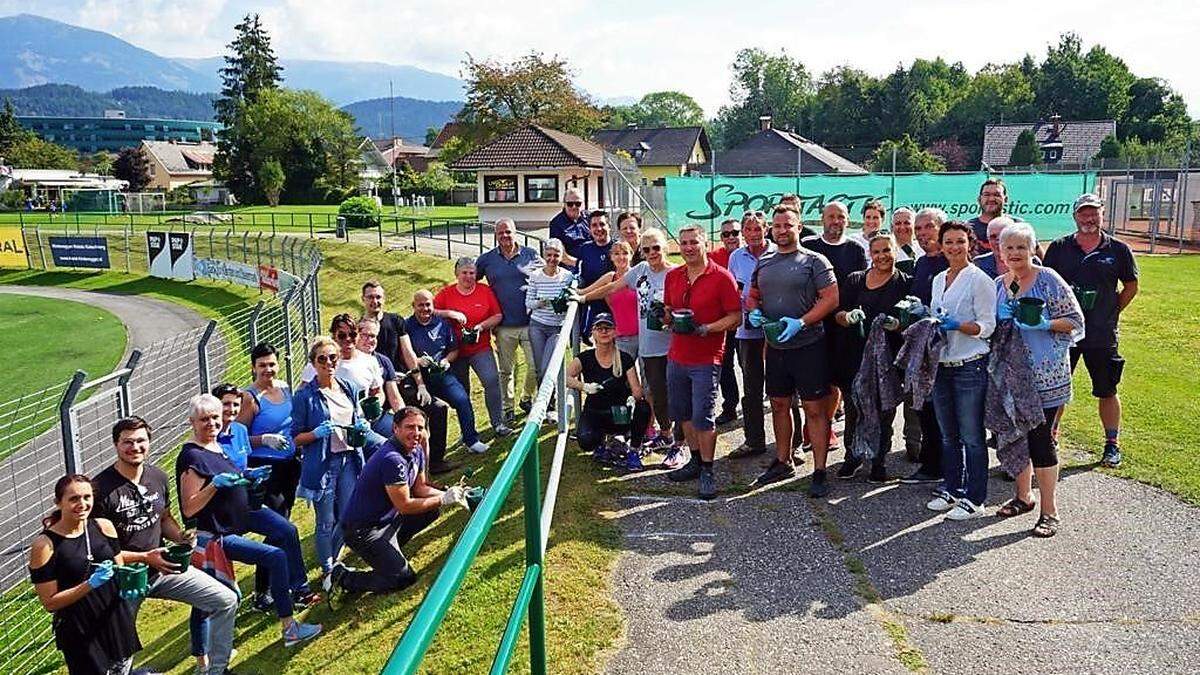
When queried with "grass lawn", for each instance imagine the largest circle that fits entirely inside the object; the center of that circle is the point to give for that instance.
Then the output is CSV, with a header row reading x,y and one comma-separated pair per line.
x,y
1160,340
94,343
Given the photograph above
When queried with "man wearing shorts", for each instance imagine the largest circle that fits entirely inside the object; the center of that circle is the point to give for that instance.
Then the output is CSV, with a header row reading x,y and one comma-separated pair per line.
x,y
797,288
697,347
1090,260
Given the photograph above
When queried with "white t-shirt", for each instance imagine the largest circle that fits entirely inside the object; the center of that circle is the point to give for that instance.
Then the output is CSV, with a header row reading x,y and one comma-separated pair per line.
x,y
362,370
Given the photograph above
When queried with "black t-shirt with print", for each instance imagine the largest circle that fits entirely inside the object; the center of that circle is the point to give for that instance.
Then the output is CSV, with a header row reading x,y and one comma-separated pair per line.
x,y
135,509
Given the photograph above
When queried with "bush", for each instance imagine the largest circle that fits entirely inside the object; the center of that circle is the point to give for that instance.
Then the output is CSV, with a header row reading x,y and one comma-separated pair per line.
x,y
360,212
12,200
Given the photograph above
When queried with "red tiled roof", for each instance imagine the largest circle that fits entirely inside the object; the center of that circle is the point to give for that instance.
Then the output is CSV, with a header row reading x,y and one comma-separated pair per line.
x,y
533,146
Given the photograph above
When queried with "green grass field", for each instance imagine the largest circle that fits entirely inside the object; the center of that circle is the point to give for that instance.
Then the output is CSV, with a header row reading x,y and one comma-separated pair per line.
x,y
36,343
1160,340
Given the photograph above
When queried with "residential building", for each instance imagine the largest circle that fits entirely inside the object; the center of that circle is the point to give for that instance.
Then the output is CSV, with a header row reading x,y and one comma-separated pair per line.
x,y
397,153
114,131
1063,144
659,151
174,164
776,152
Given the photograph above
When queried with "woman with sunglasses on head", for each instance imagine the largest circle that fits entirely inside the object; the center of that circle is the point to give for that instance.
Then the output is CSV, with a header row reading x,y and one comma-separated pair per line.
x,y
71,567
330,435
354,365
648,280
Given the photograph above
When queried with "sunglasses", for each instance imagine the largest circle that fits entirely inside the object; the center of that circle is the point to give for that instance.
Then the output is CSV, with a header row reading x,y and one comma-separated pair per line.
x,y
648,249
731,233
327,359
603,327
573,203
346,335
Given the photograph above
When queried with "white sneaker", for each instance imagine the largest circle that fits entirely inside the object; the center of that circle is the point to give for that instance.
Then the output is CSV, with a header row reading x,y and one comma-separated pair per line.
x,y
551,417
964,509
478,447
941,503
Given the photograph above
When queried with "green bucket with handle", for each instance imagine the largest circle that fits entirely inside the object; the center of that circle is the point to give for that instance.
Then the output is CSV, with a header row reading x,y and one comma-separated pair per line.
x,y
133,578
1029,311
475,497
1085,296
179,554
371,408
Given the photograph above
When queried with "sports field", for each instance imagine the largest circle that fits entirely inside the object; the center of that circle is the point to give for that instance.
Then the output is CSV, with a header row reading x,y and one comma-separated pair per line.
x,y
44,341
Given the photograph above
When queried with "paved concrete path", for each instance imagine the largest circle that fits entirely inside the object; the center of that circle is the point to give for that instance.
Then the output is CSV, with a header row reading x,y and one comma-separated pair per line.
x,y
869,581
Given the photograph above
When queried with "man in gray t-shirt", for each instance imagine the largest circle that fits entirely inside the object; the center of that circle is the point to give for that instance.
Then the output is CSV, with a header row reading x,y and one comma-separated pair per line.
x,y
787,285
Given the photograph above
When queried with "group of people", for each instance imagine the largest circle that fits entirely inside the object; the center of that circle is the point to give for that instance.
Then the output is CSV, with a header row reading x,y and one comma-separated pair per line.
x,y
931,318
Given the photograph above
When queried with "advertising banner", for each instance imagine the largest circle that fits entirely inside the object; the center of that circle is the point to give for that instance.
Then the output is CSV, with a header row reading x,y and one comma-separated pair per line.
x,y
171,255
268,278
224,270
89,252
1042,199
12,248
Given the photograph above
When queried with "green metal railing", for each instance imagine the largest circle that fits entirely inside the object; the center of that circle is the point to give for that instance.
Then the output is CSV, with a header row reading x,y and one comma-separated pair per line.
x,y
523,460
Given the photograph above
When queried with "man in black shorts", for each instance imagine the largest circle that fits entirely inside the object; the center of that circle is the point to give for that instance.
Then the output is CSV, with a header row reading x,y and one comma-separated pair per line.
x,y
796,288
1090,260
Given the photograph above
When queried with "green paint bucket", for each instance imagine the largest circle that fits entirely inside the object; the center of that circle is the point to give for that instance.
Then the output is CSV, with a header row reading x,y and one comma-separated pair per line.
x,y
179,554
621,414
773,329
371,408
1029,311
1085,296
132,578
559,304
683,321
470,336
654,316
475,497
355,437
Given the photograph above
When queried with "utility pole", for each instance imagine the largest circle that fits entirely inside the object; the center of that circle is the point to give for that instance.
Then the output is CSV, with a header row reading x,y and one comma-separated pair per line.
x,y
392,114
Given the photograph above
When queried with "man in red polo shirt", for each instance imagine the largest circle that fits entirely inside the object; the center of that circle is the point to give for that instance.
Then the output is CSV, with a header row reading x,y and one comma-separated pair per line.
x,y
709,292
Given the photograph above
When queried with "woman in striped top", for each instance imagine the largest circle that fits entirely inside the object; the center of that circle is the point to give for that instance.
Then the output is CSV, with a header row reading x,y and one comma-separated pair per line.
x,y
545,285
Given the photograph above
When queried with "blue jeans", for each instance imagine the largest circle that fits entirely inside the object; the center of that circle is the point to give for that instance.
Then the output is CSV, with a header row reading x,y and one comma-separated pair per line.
x,y
958,399
695,394
544,338
447,388
340,476
484,365
279,553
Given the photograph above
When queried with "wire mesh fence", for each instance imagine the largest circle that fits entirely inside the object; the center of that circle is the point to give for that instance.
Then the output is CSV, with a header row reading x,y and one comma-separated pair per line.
x,y
67,428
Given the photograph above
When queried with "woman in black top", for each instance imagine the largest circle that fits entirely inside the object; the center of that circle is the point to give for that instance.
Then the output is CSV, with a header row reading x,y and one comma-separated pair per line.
x,y
71,566
864,296
609,378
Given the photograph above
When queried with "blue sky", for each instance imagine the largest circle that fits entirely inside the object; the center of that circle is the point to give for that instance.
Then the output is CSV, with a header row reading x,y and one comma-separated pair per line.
x,y
622,48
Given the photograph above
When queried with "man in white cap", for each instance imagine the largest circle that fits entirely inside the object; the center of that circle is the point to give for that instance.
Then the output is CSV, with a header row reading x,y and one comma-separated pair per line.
x,y
1095,263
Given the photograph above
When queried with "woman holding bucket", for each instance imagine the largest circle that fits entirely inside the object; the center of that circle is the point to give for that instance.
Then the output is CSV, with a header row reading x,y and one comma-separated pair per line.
x,y
546,301
1045,309
213,499
615,402
964,302
71,564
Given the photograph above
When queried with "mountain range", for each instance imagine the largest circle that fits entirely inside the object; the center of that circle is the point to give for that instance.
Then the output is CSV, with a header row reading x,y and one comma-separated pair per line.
x,y
41,51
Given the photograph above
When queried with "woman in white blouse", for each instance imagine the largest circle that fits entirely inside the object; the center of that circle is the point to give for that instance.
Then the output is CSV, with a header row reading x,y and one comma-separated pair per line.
x,y
963,300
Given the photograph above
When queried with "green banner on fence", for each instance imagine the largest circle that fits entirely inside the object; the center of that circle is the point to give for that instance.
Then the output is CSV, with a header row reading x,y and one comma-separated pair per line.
x,y
1043,199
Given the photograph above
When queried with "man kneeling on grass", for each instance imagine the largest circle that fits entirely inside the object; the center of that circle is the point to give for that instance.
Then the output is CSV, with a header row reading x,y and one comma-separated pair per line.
x,y
392,501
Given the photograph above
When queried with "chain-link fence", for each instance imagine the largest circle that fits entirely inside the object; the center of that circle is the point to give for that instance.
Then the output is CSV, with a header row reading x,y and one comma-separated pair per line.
x,y
67,428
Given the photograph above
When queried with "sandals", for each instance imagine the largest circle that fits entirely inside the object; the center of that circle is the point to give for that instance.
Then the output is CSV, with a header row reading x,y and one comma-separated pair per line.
x,y
1047,526
1014,507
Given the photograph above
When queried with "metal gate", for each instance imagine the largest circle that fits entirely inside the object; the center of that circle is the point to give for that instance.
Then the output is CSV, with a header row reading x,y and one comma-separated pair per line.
x,y
1146,208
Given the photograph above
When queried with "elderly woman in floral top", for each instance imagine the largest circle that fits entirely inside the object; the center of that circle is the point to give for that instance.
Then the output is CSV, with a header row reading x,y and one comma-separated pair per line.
x,y
1048,344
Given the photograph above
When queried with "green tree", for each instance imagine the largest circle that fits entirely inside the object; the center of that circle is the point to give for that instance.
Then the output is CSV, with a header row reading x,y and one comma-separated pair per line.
x,y
663,109
909,157
1156,113
533,89
133,167
11,131
431,134
1026,152
32,152
763,84
250,69
270,177
995,94
845,111
1110,148
1080,86
102,163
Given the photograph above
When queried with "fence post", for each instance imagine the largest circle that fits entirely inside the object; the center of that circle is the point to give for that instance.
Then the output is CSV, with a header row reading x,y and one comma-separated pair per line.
x,y
128,236
126,397
202,354
379,227
246,247
531,482
252,327
37,231
71,460
449,254
287,335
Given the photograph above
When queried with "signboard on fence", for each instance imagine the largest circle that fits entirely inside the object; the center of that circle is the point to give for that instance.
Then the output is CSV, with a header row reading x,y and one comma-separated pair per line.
x,y
226,270
89,252
170,255
12,248
1043,199
275,280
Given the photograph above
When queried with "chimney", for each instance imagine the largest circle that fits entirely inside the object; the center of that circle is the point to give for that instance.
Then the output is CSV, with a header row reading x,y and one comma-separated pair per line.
x,y
764,122
1056,124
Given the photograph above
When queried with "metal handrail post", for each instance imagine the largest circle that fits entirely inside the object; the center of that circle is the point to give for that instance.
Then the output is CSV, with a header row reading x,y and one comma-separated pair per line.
x,y
252,326
126,396
287,336
71,459
202,356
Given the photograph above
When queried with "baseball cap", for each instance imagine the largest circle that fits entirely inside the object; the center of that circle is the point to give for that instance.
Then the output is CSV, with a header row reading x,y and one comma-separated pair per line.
x,y
604,317
1085,200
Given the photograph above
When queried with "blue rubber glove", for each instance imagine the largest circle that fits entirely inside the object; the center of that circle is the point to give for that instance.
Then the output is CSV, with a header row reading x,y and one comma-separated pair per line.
x,y
225,480
101,575
791,327
362,426
756,318
948,323
1005,311
324,429
1044,324
258,474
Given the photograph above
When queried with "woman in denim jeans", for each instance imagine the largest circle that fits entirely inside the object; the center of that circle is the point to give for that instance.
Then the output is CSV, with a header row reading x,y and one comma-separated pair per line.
x,y
964,301
322,411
